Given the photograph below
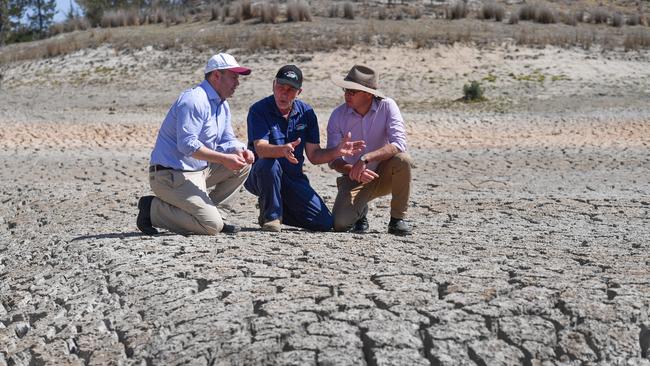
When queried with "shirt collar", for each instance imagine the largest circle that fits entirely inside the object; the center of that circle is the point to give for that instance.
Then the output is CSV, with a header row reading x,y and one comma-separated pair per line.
x,y
209,90
373,108
292,113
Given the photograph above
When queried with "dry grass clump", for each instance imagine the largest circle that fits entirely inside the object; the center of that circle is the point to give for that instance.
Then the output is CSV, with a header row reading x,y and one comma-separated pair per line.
x,y
600,16
120,18
513,18
527,12
637,39
633,19
456,10
617,20
568,18
333,11
269,12
545,15
492,10
348,10
298,11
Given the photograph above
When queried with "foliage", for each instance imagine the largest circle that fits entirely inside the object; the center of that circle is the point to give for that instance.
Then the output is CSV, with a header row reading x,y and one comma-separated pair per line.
x,y
473,92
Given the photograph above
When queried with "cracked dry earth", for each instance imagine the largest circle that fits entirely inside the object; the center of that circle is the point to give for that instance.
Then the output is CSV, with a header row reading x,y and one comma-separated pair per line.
x,y
530,247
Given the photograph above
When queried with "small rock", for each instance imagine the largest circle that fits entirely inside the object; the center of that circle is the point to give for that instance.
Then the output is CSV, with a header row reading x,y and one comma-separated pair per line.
x,y
21,329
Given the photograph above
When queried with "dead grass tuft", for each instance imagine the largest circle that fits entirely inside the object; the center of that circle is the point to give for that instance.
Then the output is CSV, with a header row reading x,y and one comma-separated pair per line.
x,y
637,39
617,20
545,15
633,19
348,10
492,10
527,12
269,12
456,10
568,18
333,11
600,16
513,18
298,11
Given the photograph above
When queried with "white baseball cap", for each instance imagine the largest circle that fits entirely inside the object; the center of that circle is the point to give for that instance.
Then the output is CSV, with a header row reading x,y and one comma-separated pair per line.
x,y
224,61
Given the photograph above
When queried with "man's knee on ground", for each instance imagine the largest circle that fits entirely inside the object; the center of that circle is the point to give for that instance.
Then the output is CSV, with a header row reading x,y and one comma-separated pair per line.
x,y
343,222
212,227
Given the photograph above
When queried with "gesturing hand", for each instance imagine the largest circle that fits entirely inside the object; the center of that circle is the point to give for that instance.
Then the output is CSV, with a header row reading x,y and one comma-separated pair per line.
x,y
288,150
361,174
349,148
233,162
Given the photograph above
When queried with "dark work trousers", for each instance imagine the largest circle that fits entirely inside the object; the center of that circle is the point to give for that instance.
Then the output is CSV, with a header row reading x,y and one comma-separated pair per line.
x,y
286,194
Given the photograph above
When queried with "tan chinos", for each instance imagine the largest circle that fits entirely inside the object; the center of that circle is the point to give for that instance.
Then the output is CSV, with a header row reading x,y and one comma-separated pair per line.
x,y
182,202
352,199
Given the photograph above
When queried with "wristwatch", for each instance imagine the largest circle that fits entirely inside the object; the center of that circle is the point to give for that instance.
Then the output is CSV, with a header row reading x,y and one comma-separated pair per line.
x,y
364,158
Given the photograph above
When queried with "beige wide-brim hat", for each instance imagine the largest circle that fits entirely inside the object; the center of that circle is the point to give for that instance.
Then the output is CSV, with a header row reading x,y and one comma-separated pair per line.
x,y
360,78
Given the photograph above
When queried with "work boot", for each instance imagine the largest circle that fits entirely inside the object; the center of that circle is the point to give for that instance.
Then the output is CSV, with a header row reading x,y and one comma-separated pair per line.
x,y
362,225
398,227
230,229
143,222
272,226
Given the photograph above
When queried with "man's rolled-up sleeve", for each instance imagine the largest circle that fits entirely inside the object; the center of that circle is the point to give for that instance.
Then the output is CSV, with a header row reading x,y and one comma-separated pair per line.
x,y
396,128
189,123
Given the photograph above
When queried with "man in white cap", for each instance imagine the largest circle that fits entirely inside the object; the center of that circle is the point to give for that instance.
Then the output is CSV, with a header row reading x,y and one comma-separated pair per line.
x,y
383,167
196,149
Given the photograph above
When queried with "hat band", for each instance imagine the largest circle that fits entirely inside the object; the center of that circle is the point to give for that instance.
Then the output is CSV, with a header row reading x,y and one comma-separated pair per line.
x,y
360,82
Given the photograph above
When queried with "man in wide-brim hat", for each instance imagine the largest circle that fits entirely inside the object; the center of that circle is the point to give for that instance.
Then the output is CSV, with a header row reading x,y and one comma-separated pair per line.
x,y
383,167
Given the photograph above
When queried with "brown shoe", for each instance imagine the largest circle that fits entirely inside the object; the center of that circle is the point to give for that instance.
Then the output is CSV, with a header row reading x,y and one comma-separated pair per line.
x,y
273,226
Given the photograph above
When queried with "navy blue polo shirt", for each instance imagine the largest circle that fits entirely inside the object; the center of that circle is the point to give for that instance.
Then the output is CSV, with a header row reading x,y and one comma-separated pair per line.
x,y
267,123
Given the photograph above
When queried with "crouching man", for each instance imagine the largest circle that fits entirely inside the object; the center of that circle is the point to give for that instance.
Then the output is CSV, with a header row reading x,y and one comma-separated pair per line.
x,y
383,167
281,129
196,149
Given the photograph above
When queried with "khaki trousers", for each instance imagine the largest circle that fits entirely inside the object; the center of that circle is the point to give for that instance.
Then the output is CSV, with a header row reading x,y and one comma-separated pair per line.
x,y
182,202
352,199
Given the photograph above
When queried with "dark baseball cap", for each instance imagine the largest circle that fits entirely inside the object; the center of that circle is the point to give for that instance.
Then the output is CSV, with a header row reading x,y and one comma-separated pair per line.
x,y
289,75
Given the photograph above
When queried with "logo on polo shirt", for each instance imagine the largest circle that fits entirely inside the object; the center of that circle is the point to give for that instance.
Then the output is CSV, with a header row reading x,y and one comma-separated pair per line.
x,y
291,75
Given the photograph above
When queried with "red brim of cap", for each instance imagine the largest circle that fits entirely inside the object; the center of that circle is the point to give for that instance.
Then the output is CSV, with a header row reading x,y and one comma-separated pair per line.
x,y
240,70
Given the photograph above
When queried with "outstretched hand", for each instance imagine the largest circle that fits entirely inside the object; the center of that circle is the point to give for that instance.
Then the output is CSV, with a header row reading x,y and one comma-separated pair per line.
x,y
349,148
288,150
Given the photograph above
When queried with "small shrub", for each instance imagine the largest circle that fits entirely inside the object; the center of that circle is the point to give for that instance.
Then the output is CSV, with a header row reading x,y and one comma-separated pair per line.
x,y
414,12
527,12
600,16
636,40
617,20
457,10
513,18
298,11
382,14
545,15
348,10
333,11
215,13
633,19
492,10
269,12
473,92
246,10
568,18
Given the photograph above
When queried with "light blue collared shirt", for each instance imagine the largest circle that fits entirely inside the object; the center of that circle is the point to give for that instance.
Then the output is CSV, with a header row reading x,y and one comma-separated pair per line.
x,y
198,118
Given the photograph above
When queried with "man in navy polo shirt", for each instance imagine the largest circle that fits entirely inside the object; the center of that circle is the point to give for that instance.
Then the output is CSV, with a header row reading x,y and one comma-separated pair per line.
x,y
280,129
